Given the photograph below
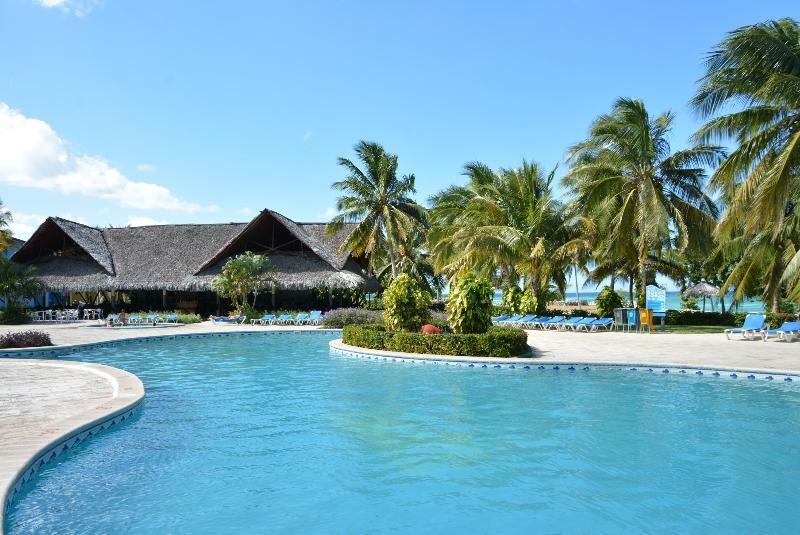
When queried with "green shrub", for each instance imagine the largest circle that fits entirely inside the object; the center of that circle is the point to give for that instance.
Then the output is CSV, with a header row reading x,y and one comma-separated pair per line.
x,y
528,304
189,317
405,305
607,300
25,339
469,305
15,315
338,318
512,300
497,342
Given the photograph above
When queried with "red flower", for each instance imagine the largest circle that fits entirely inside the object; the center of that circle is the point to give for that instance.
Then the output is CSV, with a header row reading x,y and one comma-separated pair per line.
x,y
430,329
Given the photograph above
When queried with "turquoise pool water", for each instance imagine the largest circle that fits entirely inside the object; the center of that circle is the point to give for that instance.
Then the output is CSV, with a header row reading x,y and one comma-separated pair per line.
x,y
273,433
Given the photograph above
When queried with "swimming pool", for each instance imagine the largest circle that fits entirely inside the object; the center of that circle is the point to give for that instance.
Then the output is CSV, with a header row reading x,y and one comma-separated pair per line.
x,y
272,432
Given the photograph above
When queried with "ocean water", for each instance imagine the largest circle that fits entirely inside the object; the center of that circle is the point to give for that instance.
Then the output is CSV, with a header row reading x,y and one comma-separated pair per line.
x,y
274,434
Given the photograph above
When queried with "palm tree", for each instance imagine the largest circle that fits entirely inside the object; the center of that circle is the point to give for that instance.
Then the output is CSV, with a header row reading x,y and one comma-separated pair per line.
x,y
506,221
5,234
379,202
648,199
751,95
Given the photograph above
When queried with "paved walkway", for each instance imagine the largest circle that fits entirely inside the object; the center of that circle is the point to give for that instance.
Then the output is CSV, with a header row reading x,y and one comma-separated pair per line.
x,y
43,401
709,350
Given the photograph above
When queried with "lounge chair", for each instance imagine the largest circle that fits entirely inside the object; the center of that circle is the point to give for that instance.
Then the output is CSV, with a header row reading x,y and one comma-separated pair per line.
x,y
315,318
301,319
787,331
152,318
171,318
283,319
602,323
229,321
753,325
134,319
568,323
263,320
512,319
584,324
540,321
524,321
552,322
114,319
499,318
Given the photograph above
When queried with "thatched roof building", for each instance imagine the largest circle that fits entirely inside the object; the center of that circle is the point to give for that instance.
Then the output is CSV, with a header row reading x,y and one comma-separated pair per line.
x,y
71,257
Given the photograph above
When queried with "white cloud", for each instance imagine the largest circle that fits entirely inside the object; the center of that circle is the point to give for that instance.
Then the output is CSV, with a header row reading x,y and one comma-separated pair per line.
x,y
308,135
245,211
141,221
79,8
328,214
33,156
146,168
23,224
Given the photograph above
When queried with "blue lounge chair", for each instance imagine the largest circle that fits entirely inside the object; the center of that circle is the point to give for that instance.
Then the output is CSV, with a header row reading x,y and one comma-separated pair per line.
x,y
171,318
787,331
135,318
602,323
753,324
499,318
283,319
524,321
315,318
263,320
539,322
568,323
512,319
152,318
552,322
229,321
584,324
301,319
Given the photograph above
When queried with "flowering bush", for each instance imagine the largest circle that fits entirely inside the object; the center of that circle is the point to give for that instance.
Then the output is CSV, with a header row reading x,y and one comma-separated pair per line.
x,y
339,317
430,329
25,339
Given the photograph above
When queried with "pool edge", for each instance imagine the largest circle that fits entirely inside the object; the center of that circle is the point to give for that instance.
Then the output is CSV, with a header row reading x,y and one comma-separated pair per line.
x,y
128,393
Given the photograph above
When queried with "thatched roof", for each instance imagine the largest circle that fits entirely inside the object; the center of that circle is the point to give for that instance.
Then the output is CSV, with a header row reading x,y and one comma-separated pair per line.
x,y
319,231
702,289
184,257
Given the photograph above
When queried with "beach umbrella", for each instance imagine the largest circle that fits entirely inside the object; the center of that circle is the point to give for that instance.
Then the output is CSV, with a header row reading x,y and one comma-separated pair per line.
x,y
702,289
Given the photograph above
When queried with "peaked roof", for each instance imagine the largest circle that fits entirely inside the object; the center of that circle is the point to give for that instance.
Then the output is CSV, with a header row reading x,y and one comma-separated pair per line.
x,y
186,257
90,239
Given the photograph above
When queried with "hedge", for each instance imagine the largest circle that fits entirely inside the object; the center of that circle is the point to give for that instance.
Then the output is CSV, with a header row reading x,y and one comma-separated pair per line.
x,y
25,339
497,342
694,317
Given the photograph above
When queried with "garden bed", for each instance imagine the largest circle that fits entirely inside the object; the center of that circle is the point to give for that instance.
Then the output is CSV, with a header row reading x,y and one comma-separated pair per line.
x,y
497,342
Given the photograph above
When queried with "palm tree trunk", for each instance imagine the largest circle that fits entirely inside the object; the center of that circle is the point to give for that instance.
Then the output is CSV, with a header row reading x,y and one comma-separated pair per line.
x,y
630,289
722,303
775,284
577,290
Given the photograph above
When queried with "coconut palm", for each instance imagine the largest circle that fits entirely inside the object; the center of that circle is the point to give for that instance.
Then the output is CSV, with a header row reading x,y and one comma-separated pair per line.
x,y
751,96
647,198
379,202
506,221
5,234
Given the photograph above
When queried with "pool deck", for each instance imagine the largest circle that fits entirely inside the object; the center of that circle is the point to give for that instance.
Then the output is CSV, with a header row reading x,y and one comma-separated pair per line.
x,y
44,402
660,349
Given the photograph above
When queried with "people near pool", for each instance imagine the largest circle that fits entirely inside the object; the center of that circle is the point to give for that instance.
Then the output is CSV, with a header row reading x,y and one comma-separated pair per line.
x,y
121,319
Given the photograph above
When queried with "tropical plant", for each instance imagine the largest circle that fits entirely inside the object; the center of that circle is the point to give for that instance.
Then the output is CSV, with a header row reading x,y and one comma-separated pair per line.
x,y
607,300
512,299
18,283
469,305
406,304
751,96
244,275
529,303
505,222
647,199
5,234
380,204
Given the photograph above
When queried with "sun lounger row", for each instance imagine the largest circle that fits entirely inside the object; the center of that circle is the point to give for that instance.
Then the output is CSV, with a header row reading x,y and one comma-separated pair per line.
x,y
756,325
314,318
531,321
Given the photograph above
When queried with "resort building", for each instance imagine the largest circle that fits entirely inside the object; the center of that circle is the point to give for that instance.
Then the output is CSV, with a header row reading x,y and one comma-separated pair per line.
x,y
172,266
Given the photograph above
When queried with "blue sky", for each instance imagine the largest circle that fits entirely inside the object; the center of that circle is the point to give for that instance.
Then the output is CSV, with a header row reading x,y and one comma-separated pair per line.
x,y
117,112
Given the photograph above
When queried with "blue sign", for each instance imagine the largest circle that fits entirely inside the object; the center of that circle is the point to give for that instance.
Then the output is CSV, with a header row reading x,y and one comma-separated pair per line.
x,y
656,298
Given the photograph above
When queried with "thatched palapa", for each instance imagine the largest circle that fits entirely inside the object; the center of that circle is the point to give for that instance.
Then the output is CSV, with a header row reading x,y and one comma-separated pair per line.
x,y
70,257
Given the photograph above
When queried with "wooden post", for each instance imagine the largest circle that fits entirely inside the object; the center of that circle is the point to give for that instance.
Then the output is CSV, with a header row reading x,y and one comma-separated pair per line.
x,y
273,298
163,300
330,299
218,311
114,300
